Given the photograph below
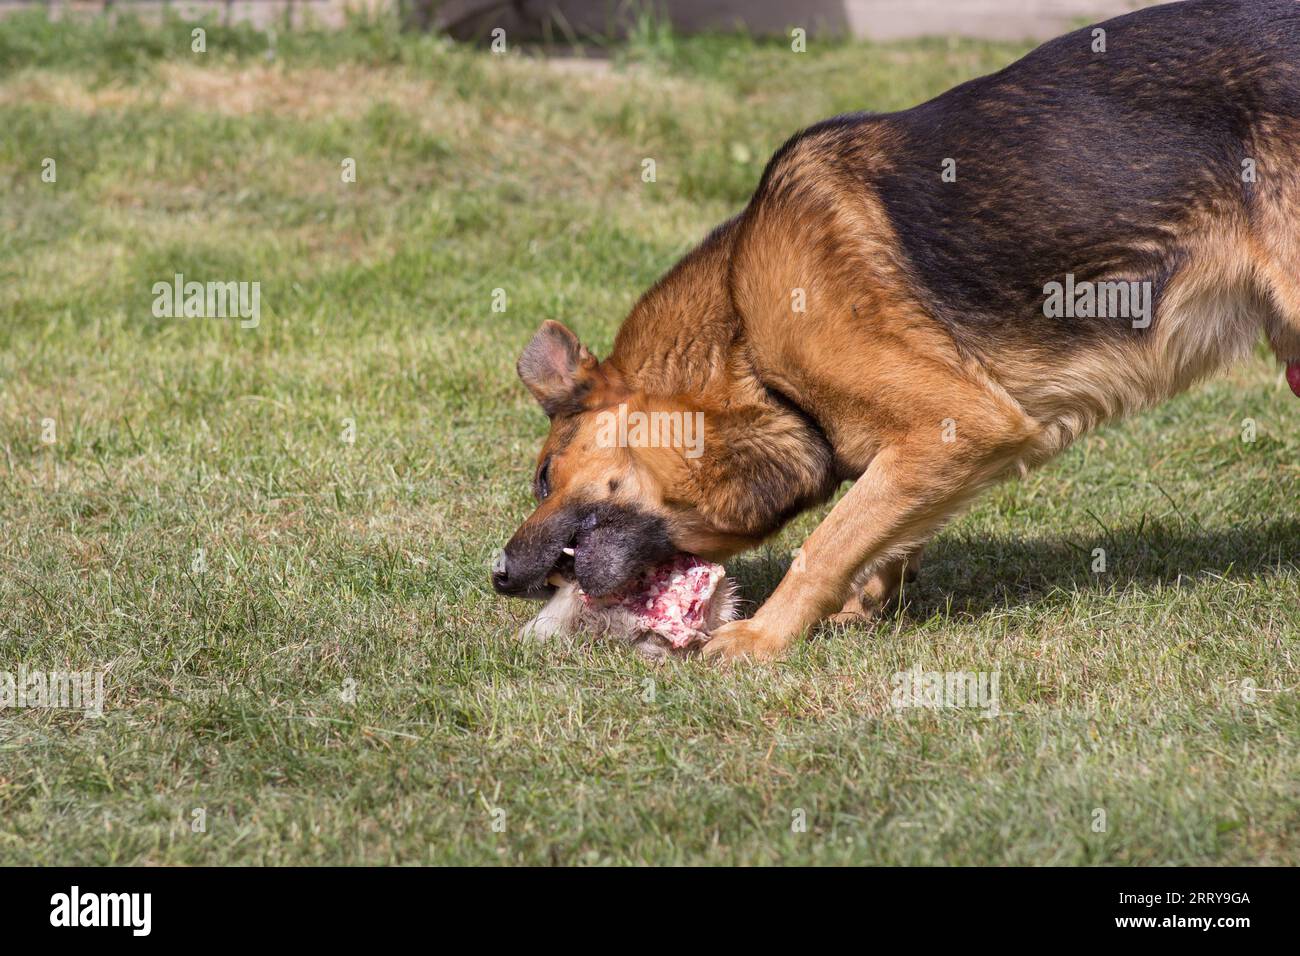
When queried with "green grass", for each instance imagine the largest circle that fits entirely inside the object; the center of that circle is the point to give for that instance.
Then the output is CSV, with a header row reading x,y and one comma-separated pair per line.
x,y
331,565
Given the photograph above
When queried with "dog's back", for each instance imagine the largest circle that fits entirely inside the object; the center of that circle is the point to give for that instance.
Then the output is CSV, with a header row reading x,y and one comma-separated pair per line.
x,y
1095,160
1159,150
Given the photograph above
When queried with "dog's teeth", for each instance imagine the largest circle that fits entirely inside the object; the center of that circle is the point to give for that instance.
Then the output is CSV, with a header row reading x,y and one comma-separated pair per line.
x,y
568,551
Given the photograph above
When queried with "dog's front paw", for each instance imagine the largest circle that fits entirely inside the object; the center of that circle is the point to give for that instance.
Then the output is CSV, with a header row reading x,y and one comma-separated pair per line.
x,y
745,640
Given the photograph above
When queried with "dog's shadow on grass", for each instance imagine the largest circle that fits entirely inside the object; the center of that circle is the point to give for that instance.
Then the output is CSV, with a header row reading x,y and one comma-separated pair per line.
x,y
972,576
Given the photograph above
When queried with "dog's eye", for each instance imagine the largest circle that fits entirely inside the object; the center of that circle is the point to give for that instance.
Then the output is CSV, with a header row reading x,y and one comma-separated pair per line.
x,y
543,482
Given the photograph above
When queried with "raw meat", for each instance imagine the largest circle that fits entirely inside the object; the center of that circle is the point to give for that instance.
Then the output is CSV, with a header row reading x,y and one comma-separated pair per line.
x,y
671,607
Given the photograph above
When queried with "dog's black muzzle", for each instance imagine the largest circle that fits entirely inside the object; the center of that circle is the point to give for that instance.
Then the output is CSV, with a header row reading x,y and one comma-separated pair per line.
x,y
603,545
516,579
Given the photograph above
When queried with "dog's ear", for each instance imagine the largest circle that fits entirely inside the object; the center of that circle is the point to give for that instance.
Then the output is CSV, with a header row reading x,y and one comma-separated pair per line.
x,y
558,369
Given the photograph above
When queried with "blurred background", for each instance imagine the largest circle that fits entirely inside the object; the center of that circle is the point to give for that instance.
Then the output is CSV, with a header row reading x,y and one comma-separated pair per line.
x,y
574,21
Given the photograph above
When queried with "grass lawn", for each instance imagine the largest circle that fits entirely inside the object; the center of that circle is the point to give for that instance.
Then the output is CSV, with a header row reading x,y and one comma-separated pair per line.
x,y
297,630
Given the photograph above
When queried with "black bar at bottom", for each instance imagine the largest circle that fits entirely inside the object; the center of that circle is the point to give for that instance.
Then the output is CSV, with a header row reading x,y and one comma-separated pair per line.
x,y
336,907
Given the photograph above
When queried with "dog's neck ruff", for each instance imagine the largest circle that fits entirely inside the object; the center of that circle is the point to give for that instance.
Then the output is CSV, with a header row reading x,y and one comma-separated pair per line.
x,y
818,434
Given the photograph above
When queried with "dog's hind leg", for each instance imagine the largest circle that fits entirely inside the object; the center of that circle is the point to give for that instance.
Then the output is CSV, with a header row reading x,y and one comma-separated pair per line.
x,y
1282,325
1275,244
880,587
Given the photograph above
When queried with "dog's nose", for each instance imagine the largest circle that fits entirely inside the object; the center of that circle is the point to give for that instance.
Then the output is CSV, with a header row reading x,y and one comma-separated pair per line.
x,y
501,574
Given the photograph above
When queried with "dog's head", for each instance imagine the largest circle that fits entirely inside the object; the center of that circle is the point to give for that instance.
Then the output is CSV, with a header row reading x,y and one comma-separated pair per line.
x,y
625,480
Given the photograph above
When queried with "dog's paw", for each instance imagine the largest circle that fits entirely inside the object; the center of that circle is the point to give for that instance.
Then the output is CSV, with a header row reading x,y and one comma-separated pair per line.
x,y
859,609
850,618
744,640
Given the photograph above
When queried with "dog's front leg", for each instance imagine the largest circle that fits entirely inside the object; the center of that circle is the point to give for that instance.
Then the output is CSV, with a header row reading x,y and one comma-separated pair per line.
x,y
908,491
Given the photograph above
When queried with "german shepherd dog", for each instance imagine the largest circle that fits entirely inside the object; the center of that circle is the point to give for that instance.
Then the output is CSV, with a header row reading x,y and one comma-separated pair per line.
x,y
925,302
